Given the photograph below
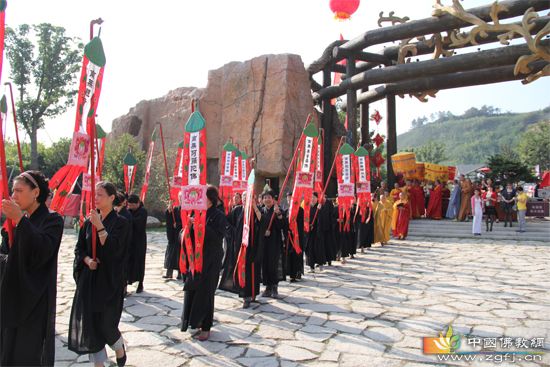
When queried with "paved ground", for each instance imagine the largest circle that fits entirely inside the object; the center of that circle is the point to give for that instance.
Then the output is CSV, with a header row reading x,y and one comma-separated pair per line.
x,y
371,312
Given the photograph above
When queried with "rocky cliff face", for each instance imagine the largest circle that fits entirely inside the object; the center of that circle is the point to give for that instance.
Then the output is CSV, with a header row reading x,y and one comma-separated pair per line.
x,y
261,104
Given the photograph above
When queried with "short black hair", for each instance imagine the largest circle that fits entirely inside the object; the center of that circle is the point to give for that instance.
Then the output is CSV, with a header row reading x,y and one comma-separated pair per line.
x,y
519,188
41,180
270,193
133,199
213,195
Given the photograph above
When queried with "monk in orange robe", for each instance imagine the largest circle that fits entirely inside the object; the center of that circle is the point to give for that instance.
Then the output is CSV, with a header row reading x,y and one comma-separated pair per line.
x,y
434,205
401,217
417,200
394,194
465,199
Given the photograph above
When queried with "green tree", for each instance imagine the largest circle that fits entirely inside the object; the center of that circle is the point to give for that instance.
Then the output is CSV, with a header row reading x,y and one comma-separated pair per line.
x,y
52,158
508,169
44,63
534,145
431,152
113,168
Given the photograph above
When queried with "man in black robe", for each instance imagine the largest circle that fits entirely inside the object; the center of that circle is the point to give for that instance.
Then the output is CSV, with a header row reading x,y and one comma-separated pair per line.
x,y
320,248
364,230
229,281
294,261
270,248
172,254
28,287
138,250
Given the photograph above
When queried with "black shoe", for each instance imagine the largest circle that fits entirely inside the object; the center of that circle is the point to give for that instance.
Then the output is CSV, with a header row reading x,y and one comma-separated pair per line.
x,y
122,361
266,293
292,280
139,288
246,304
179,277
274,293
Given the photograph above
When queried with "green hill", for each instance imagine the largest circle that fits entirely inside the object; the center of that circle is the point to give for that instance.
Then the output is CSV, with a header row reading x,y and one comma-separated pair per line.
x,y
473,136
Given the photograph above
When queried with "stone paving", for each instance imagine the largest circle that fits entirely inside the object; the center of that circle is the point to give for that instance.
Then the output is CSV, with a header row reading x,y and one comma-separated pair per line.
x,y
373,311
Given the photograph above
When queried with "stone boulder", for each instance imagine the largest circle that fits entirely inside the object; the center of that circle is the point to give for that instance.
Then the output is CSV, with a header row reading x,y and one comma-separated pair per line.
x,y
261,104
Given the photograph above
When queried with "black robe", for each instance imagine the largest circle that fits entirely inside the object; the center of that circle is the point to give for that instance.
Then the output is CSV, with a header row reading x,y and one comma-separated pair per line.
x,y
125,213
28,291
321,243
252,267
198,299
99,295
364,231
346,239
138,250
295,262
172,254
270,249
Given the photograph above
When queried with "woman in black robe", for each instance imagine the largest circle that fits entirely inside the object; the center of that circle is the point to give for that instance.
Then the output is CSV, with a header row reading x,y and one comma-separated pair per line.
x,y
316,240
294,261
365,230
199,289
28,287
172,254
270,249
99,295
229,282
122,210
138,250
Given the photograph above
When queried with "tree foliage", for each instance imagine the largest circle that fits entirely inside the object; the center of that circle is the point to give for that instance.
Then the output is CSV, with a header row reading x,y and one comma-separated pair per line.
x,y
113,168
44,62
508,169
534,145
431,152
472,140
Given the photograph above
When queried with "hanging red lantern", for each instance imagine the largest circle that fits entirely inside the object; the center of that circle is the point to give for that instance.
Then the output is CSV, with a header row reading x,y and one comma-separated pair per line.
x,y
378,140
343,9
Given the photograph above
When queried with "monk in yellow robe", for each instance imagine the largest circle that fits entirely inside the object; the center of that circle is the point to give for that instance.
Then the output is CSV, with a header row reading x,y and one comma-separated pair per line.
x,y
382,220
394,194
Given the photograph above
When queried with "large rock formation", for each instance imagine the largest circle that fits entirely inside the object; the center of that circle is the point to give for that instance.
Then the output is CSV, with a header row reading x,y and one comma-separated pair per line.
x,y
261,104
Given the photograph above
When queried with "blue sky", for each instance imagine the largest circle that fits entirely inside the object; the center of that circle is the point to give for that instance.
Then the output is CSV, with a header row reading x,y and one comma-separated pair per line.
x,y
153,47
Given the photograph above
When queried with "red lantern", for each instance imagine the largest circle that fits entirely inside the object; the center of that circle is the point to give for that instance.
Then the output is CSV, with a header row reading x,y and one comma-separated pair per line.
x,y
343,9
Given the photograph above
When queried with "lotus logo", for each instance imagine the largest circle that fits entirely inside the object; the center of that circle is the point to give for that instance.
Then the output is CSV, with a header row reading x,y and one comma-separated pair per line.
x,y
444,344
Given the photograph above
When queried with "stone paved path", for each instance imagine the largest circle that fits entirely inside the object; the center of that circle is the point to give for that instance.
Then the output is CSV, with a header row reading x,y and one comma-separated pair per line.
x,y
371,312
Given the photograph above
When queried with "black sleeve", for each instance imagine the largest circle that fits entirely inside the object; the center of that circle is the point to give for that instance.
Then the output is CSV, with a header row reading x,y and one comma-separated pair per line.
x,y
4,248
39,244
170,229
80,251
115,244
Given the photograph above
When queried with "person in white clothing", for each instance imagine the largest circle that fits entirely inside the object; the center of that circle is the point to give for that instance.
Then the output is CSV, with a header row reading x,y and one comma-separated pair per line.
x,y
477,211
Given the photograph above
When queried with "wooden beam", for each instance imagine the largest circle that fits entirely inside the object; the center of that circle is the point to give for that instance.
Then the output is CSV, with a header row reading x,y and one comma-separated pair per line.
x,y
445,22
501,56
326,124
340,53
448,81
391,139
423,48
365,128
351,112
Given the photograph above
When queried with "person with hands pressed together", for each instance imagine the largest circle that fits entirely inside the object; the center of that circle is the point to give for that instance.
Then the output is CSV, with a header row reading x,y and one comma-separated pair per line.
x,y
100,281
28,284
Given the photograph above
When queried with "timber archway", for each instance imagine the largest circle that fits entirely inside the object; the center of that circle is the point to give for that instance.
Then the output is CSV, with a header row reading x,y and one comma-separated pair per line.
x,y
372,76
